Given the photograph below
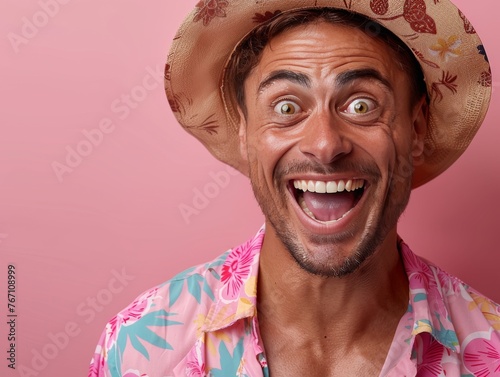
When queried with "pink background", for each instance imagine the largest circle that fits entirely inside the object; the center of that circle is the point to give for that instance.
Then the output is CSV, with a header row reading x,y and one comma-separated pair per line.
x,y
118,210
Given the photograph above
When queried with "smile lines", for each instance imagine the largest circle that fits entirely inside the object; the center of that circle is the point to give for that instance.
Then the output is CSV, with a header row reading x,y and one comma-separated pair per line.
x,y
329,187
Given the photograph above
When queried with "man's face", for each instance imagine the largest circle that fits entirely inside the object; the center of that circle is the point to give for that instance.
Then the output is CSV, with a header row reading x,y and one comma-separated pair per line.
x,y
330,136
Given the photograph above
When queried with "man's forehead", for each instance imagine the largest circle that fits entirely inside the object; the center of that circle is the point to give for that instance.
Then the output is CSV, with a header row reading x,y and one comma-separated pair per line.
x,y
310,30
323,39
295,53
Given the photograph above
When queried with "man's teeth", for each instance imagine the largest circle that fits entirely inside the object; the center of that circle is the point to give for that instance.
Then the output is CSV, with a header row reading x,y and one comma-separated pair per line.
x,y
329,187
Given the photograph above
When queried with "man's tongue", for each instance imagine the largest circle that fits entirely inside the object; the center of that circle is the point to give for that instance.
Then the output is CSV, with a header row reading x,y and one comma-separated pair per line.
x,y
327,207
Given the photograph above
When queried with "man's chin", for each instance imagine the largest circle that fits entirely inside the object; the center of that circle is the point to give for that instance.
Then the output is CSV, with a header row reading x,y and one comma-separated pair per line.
x,y
338,266
329,255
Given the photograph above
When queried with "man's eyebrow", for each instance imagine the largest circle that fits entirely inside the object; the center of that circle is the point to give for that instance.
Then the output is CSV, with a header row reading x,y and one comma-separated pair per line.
x,y
342,79
345,78
286,75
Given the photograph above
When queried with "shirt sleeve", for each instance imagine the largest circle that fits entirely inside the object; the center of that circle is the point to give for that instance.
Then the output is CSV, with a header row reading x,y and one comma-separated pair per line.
x,y
154,333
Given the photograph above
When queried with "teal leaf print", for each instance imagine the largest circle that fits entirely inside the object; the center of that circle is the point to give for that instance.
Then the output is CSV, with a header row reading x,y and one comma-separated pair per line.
x,y
229,364
174,291
152,338
219,261
114,363
196,283
193,284
216,263
208,290
420,297
182,275
214,273
139,347
139,331
446,337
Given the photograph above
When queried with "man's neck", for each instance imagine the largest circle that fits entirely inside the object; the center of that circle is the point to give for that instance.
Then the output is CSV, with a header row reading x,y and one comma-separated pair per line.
x,y
368,301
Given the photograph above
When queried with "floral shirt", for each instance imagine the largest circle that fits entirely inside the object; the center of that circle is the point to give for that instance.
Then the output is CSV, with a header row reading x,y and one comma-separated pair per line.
x,y
203,323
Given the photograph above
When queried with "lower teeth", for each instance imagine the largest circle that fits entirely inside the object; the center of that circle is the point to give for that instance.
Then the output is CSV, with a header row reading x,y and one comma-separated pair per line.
x,y
308,212
303,205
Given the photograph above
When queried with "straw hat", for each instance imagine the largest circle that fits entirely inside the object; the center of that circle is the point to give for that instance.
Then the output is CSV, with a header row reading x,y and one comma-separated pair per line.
x,y
452,57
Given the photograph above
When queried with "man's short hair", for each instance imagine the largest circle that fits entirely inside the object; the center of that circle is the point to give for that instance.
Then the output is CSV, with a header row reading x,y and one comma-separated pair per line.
x,y
247,54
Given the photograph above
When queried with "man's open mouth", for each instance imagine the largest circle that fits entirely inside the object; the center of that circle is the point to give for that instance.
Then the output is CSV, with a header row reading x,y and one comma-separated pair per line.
x,y
328,201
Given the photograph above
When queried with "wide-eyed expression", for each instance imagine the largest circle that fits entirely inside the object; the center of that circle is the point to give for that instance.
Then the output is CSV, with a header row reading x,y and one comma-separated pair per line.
x,y
329,126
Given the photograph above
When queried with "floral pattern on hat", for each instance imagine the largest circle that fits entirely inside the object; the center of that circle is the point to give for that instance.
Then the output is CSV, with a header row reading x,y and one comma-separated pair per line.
x,y
167,72
209,9
379,7
447,81
447,48
208,125
469,29
415,13
482,51
261,18
486,79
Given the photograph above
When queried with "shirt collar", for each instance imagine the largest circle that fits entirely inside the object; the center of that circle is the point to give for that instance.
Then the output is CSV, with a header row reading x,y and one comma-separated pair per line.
x,y
236,292
427,299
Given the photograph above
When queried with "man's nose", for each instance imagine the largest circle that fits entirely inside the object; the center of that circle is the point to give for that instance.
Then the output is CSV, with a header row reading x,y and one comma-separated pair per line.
x,y
325,138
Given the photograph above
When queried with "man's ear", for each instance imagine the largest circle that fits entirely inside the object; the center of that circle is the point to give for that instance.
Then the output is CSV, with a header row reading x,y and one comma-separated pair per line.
x,y
419,129
242,133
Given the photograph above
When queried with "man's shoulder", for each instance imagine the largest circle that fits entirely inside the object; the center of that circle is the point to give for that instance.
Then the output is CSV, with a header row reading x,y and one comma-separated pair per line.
x,y
457,312
167,317
452,288
467,306
188,288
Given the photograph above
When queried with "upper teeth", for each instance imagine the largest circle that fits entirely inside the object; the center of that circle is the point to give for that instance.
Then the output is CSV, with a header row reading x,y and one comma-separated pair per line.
x,y
329,187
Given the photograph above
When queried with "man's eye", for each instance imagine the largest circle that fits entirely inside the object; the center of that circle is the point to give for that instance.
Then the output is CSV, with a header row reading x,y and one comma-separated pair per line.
x,y
360,106
287,108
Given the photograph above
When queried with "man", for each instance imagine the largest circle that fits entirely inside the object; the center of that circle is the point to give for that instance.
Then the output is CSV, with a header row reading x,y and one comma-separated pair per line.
x,y
334,118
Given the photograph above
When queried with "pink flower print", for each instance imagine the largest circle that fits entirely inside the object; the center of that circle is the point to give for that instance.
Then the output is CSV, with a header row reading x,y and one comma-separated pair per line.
x,y
193,369
419,273
450,285
112,332
432,354
135,311
235,270
129,315
482,356
97,364
209,9
195,363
